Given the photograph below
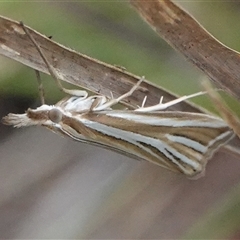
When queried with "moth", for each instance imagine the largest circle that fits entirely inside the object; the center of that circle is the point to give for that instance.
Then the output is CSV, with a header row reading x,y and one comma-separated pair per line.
x,y
179,141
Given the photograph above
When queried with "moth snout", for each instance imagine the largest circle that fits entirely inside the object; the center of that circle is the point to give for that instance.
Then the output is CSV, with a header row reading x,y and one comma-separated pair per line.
x,y
37,115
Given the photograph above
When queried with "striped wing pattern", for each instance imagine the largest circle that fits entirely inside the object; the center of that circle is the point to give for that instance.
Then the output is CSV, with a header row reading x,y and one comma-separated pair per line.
x,y
179,141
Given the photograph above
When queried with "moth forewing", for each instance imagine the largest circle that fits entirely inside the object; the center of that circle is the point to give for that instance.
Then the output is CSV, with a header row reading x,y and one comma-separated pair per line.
x,y
178,141
181,142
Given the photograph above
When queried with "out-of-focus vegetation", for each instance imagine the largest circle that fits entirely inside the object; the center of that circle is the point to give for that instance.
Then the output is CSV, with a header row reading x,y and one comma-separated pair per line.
x,y
114,33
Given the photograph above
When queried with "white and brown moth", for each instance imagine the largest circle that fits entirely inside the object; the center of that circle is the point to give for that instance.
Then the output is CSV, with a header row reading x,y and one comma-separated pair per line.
x,y
179,141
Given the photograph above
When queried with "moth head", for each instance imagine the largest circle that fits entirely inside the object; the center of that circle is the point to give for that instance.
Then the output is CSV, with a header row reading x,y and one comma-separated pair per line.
x,y
45,115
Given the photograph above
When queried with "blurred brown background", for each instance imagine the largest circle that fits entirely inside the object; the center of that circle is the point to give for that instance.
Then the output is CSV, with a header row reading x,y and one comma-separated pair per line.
x,y
51,187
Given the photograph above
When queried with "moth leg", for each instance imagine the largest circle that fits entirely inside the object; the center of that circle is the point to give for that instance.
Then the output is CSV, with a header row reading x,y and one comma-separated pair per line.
x,y
111,95
52,71
144,101
98,101
162,106
114,101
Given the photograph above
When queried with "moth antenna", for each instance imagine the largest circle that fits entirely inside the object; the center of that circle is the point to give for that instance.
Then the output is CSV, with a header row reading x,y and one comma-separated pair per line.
x,y
40,87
